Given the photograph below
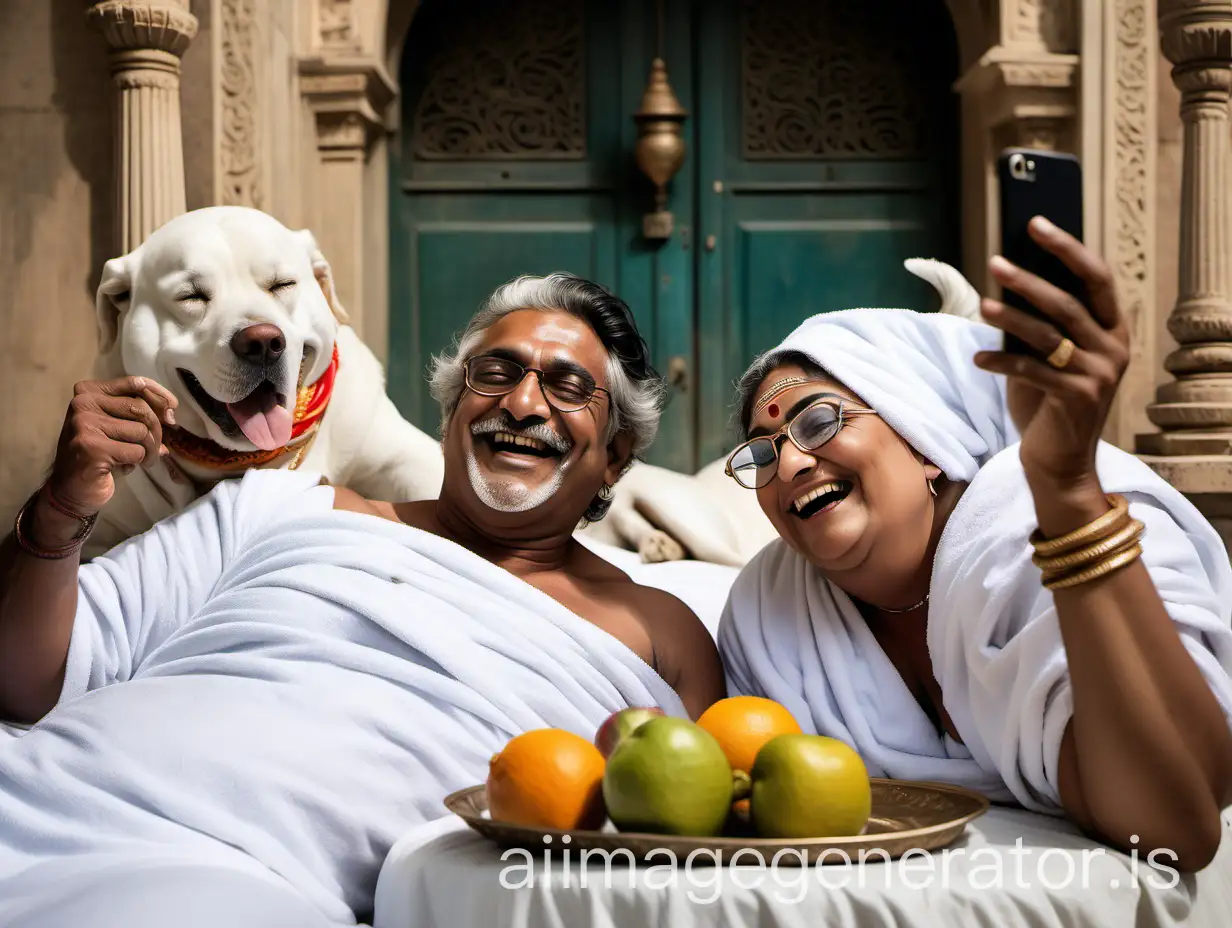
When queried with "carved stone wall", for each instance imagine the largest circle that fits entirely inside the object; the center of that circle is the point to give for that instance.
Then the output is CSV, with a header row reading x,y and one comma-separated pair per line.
x,y
344,92
57,212
1129,244
337,26
240,180
1051,24
257,141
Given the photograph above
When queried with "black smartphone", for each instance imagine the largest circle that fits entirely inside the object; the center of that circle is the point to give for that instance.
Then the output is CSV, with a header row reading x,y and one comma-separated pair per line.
x,y
1038,183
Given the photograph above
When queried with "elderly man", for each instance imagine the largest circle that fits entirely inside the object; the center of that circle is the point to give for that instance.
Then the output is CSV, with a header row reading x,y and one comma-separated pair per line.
x,y
240,711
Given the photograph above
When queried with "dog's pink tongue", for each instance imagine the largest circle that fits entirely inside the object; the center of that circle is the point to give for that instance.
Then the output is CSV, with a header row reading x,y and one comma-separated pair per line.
x,y
266,424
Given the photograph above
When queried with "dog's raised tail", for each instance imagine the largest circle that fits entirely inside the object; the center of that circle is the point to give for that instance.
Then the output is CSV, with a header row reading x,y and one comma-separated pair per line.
x,y
958,296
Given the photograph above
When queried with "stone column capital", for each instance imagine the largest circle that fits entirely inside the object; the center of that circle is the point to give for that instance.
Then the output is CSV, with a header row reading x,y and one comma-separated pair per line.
x,y
1001,69
1204,78
145,25
1029,94
349,97
1196,33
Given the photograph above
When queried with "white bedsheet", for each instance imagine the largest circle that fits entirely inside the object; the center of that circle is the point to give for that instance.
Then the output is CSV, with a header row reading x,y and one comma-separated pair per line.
x,y
1011,869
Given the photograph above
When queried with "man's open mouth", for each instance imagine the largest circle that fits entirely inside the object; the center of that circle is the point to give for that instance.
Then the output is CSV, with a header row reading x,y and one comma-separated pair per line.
x,y
261,416
821,498
519,444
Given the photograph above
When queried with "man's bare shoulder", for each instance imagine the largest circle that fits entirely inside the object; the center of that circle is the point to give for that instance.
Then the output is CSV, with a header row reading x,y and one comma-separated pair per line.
x,y
665,608
685,652
646,600
348,500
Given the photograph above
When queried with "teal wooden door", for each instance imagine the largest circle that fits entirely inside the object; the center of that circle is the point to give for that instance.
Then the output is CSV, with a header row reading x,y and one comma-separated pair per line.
x,y
821,139
516,158
827,155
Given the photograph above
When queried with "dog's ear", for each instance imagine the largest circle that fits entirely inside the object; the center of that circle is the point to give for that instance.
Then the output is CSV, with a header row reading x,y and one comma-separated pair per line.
x,y
112,298
325,277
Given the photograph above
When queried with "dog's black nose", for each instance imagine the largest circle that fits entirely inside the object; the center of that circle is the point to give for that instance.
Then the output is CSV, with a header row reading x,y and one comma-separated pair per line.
x,y
264,342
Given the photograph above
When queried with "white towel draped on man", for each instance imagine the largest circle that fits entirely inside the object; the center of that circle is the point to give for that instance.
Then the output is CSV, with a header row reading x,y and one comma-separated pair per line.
x,y
236,714
996,650
399,663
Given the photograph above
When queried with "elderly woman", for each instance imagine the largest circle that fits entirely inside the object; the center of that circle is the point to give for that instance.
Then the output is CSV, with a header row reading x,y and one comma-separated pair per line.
x,y
969,585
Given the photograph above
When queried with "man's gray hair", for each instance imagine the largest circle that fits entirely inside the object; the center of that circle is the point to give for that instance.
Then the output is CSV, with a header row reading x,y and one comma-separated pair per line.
x,y
637,391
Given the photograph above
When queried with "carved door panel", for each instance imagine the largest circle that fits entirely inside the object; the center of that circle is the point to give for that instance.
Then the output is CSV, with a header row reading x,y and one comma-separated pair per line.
x,y
827,155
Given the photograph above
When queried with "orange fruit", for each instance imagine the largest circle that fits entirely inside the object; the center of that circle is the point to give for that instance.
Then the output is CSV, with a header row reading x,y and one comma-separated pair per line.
x,y
743,725
547,778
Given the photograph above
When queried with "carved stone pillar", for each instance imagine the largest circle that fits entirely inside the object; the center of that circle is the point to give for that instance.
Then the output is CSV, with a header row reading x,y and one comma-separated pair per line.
x,y
348,96
1193,451
1194,412
147,39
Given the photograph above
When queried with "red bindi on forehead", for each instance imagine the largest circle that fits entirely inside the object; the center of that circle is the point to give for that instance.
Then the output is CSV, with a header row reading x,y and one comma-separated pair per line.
x,y
773,410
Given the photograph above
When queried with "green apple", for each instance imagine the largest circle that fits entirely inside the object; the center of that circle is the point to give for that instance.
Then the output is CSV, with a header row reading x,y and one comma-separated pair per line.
x,y
668,776
809,786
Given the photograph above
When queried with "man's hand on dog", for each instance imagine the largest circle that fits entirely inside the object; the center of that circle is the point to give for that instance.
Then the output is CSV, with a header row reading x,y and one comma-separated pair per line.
x,y
111,426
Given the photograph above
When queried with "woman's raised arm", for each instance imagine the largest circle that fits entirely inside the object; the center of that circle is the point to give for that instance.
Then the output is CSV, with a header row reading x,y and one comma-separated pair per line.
x,y
1146,761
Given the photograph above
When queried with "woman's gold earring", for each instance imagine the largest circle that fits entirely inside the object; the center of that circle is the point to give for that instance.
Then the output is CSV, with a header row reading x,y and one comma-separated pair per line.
x,y
931,489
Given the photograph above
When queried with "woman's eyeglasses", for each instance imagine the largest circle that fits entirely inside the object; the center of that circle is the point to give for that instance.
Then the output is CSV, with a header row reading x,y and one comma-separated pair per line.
x,y
754,464
566,390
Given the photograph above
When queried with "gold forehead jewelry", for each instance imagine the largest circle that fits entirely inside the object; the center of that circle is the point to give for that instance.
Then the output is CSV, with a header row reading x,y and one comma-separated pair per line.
x,y
778,387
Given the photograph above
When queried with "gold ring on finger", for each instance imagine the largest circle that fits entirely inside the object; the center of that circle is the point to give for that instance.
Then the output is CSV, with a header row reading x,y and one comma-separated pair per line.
x,y
1062,354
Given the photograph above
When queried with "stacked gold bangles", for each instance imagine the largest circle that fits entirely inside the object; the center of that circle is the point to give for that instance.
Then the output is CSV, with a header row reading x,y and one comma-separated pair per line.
x,y
1097,548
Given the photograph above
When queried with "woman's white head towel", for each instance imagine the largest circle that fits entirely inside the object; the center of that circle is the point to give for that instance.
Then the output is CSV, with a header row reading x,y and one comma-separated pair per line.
x,y
789,634
915,369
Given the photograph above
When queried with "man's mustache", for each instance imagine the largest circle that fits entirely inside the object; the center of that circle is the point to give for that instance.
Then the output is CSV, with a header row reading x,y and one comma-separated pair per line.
x,y
503,422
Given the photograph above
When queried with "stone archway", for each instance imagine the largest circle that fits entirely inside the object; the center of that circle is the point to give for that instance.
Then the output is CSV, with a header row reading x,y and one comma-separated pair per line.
x,y
391,20
971,28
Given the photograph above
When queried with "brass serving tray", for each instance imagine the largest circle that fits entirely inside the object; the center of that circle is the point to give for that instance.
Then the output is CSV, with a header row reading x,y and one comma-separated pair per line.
x,y
906,815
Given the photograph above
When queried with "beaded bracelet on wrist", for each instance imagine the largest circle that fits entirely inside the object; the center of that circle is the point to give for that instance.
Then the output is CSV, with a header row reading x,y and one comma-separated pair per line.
x,y
28,545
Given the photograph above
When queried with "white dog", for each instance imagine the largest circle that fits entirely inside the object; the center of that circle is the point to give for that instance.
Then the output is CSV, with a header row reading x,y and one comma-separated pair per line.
x,y
667,516
236,315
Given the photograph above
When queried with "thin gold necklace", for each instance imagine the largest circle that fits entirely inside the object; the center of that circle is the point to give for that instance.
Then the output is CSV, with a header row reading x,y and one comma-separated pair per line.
x,y
922,602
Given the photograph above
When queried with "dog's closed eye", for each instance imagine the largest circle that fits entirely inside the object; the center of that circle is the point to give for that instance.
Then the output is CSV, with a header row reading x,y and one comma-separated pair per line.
x,y
280,285
195,295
